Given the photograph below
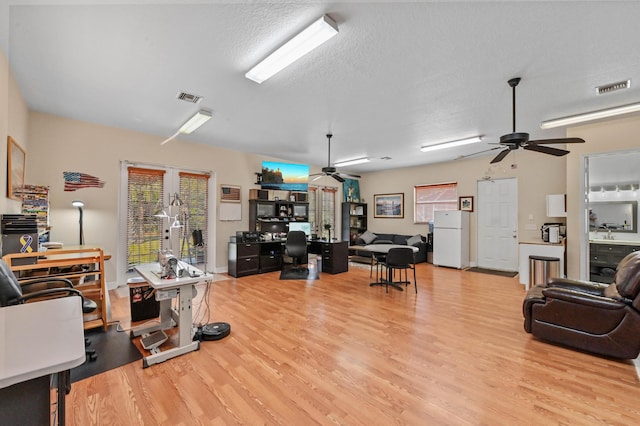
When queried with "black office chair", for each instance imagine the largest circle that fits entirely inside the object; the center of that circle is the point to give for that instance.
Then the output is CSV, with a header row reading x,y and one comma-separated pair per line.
x,y
11,293
400,258
296,248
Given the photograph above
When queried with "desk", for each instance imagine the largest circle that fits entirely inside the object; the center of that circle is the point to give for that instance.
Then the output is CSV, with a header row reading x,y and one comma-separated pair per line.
x,y
38,339
384,249
182,316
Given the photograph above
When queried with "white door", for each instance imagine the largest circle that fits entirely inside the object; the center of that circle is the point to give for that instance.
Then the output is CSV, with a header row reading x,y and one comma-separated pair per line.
x,y
497,224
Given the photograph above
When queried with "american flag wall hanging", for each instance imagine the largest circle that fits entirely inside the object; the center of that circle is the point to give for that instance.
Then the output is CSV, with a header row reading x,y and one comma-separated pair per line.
x,y
229,194
77,180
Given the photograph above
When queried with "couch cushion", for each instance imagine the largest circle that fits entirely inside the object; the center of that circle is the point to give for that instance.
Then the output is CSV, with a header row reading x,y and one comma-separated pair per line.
x,y
368,237
414,240
400,239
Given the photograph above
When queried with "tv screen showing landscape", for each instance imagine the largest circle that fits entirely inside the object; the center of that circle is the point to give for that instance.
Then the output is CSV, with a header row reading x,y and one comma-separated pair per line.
x,y
285,176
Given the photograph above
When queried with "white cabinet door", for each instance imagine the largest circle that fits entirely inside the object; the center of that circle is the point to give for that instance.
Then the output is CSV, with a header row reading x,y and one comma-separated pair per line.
x,y
556,205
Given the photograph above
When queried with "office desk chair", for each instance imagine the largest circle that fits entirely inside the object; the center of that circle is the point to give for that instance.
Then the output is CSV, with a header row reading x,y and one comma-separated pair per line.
x,y
11,293
296,247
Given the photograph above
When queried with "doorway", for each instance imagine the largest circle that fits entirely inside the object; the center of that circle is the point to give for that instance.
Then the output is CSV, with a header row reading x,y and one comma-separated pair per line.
x,y
497,223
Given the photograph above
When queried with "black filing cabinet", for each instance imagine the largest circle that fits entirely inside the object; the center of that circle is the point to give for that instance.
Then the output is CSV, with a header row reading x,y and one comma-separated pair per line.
x,y
335,255
244,259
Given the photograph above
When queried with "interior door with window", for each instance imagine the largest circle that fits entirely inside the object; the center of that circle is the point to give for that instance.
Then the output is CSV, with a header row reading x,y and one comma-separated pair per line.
x,y
497,223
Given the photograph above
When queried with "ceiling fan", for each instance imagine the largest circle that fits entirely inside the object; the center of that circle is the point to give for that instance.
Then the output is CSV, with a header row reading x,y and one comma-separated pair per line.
x,y
515,140
331,171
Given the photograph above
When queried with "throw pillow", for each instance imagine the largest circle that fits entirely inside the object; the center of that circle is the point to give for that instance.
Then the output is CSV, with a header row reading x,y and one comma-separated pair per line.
x,y
414,240
368,237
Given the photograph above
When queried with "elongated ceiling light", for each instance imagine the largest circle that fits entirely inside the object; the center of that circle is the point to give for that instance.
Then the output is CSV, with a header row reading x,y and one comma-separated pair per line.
x,y
352,162
590,116
191,125
451,144
310,38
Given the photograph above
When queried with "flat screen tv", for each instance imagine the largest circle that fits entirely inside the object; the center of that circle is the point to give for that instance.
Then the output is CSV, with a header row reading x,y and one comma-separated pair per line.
x,y
285,176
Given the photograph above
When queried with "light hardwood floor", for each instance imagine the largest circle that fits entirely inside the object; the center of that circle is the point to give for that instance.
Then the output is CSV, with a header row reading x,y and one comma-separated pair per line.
x,y
336,351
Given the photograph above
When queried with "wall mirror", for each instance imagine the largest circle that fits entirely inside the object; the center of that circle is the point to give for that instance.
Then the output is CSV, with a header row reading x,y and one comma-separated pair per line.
x,y
618,216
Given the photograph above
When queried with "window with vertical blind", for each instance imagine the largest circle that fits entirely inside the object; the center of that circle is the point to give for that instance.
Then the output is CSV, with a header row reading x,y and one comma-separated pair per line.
x,y
322,210
145,189
429,198
194,192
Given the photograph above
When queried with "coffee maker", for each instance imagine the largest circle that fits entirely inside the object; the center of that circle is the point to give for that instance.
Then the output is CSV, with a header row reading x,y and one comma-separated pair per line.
x,y
552,232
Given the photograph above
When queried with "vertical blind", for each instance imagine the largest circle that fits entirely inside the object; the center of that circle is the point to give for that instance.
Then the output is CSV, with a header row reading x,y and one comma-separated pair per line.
x,y
429,198
322,210
194,192
144,231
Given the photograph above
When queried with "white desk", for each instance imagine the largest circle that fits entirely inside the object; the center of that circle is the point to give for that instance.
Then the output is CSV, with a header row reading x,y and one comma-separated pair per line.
x,y
182,316
39,339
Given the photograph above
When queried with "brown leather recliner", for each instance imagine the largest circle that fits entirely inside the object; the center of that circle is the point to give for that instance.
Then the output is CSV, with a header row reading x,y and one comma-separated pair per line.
x,y
599,318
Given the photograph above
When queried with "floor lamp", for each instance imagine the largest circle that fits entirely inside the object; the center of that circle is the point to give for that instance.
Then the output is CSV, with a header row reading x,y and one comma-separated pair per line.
x,y
79,204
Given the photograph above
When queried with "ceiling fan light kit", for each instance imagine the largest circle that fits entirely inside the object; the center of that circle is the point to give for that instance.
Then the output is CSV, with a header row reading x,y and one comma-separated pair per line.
x,y
451,144
311,37
590,116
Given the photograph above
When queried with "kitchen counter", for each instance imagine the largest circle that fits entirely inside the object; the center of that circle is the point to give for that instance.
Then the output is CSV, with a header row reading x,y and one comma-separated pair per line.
x,y
615,242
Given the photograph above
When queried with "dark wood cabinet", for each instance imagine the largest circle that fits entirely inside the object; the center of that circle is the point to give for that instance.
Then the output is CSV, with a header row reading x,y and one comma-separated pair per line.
x,y
244,259
354,221
269,214
335,255
604,259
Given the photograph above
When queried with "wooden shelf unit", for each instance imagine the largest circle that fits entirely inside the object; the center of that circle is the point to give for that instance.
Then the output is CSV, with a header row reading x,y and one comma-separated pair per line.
x,y
83,267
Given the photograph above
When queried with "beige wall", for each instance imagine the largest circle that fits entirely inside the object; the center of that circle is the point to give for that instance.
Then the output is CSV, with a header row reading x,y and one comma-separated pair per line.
x,y
59,144
608,136
13,122
537,175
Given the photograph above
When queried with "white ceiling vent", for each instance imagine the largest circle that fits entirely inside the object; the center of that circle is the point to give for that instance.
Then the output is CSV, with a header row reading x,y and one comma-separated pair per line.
x,y
188,97
608,88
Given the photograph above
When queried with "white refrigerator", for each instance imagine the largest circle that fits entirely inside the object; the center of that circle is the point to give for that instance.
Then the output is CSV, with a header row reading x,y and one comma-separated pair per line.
x,y
451,238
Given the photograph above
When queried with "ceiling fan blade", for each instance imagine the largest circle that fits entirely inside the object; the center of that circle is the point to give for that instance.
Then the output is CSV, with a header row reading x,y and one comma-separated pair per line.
x,y
561,140
317,176
337,177
500,156
546,150
460,157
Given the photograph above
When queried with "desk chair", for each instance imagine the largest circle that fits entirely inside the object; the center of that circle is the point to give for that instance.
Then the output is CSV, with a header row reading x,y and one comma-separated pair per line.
x,y
402,259
11,293
296,247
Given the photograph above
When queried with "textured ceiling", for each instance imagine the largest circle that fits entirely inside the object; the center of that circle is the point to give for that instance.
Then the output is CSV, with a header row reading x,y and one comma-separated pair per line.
x,y
398,75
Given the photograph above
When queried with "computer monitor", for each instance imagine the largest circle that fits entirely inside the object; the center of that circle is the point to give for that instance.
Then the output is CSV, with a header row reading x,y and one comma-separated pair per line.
x,y
301,226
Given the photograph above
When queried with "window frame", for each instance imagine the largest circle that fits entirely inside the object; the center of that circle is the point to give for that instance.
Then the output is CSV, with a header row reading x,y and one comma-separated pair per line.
x,y
449,204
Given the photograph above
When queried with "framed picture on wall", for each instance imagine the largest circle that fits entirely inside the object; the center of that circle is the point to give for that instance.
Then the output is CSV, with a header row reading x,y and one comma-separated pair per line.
x,y
465,203
16,159
389,205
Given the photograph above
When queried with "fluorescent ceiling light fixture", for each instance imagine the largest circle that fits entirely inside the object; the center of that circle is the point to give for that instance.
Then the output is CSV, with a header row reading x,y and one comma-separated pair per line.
x,y
590,116
352,162
192,124
451,144
310,38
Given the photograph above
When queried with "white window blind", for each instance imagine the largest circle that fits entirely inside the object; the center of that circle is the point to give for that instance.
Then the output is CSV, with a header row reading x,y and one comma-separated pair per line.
x,y
144,231
328,212
194,192
313,200
429,198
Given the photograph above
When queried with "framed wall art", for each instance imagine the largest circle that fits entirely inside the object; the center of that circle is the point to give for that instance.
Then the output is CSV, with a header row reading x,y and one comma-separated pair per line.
x,y
465,203
16,159
389,205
